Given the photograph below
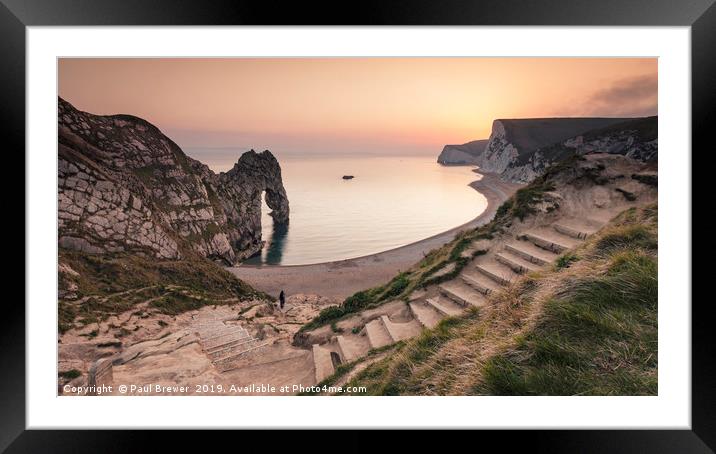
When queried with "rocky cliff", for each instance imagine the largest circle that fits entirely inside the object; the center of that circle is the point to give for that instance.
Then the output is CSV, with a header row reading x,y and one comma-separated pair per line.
x,y
522,149
465,154
123,186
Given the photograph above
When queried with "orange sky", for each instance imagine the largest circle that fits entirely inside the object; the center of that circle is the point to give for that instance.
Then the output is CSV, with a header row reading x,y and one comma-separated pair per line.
x,y
380,105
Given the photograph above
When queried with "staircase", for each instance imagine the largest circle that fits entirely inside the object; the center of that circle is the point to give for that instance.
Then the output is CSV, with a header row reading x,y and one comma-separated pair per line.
x,y
224,344
525,252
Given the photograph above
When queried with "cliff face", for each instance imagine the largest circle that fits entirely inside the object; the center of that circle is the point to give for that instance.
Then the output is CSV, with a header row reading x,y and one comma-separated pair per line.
x,y
521,150
123,186
465,154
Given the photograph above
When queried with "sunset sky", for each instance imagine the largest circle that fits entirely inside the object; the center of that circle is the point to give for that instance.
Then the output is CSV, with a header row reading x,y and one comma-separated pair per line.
x,y
347,105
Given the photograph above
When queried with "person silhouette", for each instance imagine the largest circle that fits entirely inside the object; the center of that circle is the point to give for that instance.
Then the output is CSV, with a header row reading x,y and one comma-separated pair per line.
x,y
281,299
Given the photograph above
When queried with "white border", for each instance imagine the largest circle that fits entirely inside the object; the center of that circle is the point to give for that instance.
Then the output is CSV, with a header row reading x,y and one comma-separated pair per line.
x,y
670,409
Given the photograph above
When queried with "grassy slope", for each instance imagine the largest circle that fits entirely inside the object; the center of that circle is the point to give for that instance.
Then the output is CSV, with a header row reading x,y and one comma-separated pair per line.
x,y
588,326
111,284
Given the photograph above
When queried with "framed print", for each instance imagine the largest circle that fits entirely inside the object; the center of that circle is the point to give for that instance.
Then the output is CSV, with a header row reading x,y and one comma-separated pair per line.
x,y
407,217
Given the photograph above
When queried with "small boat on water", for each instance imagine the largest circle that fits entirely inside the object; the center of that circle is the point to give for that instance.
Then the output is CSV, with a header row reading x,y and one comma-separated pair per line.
x,y
348,177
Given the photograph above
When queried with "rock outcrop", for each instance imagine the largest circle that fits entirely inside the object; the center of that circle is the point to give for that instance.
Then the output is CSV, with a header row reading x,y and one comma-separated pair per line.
x,y
123,186
521,149
465,154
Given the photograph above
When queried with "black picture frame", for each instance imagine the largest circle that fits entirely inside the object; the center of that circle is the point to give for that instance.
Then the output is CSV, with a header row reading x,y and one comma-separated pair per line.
x,y
16,15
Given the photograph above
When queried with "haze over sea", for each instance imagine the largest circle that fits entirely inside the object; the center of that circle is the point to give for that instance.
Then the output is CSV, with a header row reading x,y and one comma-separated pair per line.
x,y
392,201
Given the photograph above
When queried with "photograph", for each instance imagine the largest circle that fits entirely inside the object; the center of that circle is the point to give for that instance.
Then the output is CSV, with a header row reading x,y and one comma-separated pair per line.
x,y
450,214
370,226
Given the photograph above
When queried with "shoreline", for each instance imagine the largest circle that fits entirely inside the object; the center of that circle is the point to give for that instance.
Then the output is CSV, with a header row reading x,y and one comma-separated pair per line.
x,y
340,279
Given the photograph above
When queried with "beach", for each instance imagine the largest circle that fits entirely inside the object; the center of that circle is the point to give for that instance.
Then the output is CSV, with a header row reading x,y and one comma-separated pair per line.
x,y
340,279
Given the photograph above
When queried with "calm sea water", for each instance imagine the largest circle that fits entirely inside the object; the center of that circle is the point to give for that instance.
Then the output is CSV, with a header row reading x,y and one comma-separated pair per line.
x,y
391,202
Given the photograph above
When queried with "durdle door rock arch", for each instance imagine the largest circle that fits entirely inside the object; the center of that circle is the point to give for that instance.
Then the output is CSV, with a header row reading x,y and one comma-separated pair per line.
x,y
123,186
254,174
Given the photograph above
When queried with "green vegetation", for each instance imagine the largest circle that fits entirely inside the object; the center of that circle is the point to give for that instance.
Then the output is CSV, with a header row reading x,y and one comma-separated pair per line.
x,y
174,303
69,374
589,328
111,284
335,328
113,344
91,335
648,179
359,301
628,235
522,204
525,199
564,260
627,195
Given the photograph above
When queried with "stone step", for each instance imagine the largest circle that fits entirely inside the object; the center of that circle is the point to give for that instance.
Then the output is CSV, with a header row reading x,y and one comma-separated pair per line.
x,y
221,355
462,294
322,363
230,348
209,329
427,316
479,282
446,307
237,352
517,263
551,240
417,295
208,324
378,336
227,363
211,335
228,331
496,271
388,325
531,253
577,228
346,352
401,330
209,319
569,231
216,342
351,346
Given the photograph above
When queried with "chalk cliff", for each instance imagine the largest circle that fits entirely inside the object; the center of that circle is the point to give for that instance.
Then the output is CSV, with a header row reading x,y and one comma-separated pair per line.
x,y
521,150
123,186
465,154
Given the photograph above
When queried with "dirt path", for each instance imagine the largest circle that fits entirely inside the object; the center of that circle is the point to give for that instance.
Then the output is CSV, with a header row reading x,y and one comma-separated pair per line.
x,y
343,278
